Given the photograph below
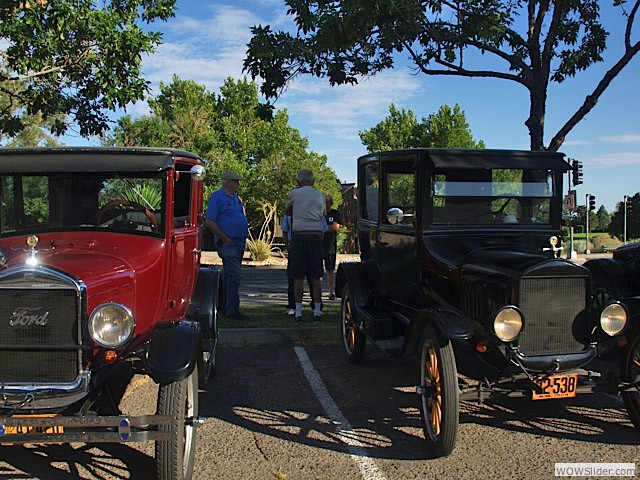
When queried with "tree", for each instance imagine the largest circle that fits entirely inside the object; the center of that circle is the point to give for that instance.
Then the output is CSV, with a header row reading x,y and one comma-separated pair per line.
x,y
73,60
616,227
530,42
446,129
604,219
229,131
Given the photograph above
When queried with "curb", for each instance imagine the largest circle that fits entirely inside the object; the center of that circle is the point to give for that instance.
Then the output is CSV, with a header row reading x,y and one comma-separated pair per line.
x,y
234,337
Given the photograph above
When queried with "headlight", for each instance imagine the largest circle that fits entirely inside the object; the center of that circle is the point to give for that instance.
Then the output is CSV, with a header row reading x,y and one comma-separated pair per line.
x,y
507,324
111,325
613,319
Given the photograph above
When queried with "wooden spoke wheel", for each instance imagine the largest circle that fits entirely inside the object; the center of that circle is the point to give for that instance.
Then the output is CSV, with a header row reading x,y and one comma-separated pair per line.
x,y
438,389
631,374
353,338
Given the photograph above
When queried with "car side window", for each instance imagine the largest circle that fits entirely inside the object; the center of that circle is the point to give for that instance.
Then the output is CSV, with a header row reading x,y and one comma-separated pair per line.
x,y
372,186
399,193
182,198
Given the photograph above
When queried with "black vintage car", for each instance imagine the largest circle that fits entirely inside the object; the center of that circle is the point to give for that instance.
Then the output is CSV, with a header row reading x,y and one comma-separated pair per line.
x,y
618,278
462,247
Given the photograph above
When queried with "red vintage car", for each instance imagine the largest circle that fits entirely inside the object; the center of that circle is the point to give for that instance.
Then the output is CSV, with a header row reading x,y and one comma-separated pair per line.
x,y
100,278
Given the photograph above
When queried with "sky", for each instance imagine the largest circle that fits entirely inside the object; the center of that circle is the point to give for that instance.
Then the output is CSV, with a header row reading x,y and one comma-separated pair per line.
x,y
206,42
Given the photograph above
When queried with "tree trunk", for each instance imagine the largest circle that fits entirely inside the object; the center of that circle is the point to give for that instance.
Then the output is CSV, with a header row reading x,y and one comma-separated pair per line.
x,y
535,122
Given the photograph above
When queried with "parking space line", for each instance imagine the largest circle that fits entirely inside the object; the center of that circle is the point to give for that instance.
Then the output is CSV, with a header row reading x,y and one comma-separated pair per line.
x,y
367,466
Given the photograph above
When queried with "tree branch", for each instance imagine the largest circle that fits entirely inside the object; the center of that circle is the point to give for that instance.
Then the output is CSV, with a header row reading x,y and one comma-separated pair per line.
x,y
459,71
547,52
630,21
591,100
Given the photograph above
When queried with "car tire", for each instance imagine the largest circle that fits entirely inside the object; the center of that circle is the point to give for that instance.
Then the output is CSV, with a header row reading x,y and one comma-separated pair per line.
x,y
631,373
438,389
353,338
179,400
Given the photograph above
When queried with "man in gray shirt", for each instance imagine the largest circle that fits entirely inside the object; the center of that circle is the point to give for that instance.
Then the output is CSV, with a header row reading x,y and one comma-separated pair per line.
x,y
306,205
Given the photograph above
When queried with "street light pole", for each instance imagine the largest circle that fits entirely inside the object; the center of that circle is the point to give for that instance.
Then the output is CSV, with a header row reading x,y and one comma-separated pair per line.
x,y
625,219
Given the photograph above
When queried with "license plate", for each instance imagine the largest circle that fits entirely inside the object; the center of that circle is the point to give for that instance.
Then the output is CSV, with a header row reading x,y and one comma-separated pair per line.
x,y
21,430
558,386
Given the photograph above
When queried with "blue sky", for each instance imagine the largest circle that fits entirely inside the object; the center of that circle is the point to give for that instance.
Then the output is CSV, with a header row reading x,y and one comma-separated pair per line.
x,y
206,42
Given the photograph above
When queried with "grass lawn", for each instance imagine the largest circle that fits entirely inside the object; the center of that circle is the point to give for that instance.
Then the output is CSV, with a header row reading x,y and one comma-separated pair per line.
x,y
272,316
583,236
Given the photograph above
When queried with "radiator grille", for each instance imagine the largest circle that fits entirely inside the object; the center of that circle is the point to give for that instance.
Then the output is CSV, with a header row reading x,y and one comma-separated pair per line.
x,y
554,312
41,318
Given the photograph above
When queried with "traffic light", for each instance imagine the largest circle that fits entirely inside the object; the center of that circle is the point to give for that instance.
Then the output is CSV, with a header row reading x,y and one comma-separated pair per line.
x,y
592,202
629,205
577,172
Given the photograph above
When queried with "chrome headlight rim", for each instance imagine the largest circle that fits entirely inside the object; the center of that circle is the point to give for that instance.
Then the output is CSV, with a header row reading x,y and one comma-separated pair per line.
x,y
94,335
496,325
606,322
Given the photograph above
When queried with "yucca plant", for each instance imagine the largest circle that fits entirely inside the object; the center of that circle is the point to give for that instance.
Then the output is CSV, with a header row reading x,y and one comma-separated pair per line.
x,y
259,250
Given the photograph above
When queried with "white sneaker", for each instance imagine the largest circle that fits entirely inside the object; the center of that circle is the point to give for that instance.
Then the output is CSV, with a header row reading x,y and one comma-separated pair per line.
x,y
290,311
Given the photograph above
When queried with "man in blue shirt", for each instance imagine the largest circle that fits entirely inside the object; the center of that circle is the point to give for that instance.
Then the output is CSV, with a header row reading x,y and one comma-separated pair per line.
x,y
226,219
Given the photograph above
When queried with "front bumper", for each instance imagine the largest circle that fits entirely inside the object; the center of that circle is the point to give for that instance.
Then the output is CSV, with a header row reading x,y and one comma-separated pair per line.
x,y
44,396
554,363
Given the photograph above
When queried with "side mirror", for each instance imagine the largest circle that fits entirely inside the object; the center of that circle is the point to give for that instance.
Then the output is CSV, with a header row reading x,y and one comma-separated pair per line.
x,y
197,173
395,215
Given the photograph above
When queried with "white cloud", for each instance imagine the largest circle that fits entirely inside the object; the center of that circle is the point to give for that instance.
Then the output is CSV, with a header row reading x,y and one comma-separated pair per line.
x,y
206,50
339,110
574,143
632,138
614,159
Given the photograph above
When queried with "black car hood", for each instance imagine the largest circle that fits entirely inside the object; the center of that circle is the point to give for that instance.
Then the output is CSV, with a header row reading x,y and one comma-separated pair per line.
x,y
514,263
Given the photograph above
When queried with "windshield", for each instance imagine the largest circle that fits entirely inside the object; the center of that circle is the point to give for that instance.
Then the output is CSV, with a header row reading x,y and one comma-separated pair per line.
x,y
492,196
81,201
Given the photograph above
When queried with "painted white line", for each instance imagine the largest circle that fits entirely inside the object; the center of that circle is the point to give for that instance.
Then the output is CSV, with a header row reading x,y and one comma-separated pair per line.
x,y
367,466
617,398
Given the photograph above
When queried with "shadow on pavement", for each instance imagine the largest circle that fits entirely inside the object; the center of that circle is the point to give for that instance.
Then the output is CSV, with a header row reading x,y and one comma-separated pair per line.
x,y
263,389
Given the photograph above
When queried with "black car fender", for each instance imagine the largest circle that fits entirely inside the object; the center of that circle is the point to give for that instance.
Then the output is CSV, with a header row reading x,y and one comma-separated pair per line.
x,y
357,276
203,307
609,272
449,324
174,350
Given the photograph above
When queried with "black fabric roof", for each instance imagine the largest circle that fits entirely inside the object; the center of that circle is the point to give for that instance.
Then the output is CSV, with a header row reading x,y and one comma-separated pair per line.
x,y
470,158
88,159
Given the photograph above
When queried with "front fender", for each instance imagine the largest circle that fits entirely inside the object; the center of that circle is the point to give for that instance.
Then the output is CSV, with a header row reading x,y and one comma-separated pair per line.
x,y
357,276
611,273
450,325
203,307
174,350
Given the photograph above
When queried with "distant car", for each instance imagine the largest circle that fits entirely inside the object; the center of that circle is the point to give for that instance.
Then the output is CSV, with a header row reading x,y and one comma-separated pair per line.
x,y
100,278
461,247
618,278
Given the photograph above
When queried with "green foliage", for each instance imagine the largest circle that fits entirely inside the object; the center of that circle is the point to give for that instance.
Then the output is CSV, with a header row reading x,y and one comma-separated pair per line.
x,y
230,131
148,195
598,242
528,42
448,128
77,58
259,250
616,227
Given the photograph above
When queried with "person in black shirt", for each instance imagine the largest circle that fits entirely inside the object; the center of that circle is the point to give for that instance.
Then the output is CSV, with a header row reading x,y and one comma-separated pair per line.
x,y
330,243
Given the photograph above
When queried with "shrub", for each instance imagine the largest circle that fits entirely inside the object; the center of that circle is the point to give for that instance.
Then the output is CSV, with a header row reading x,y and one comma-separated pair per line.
x,y
259,250
601,241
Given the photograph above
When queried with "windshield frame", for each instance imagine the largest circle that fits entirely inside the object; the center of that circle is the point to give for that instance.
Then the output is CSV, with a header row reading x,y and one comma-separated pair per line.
x,y
540,209
66,191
